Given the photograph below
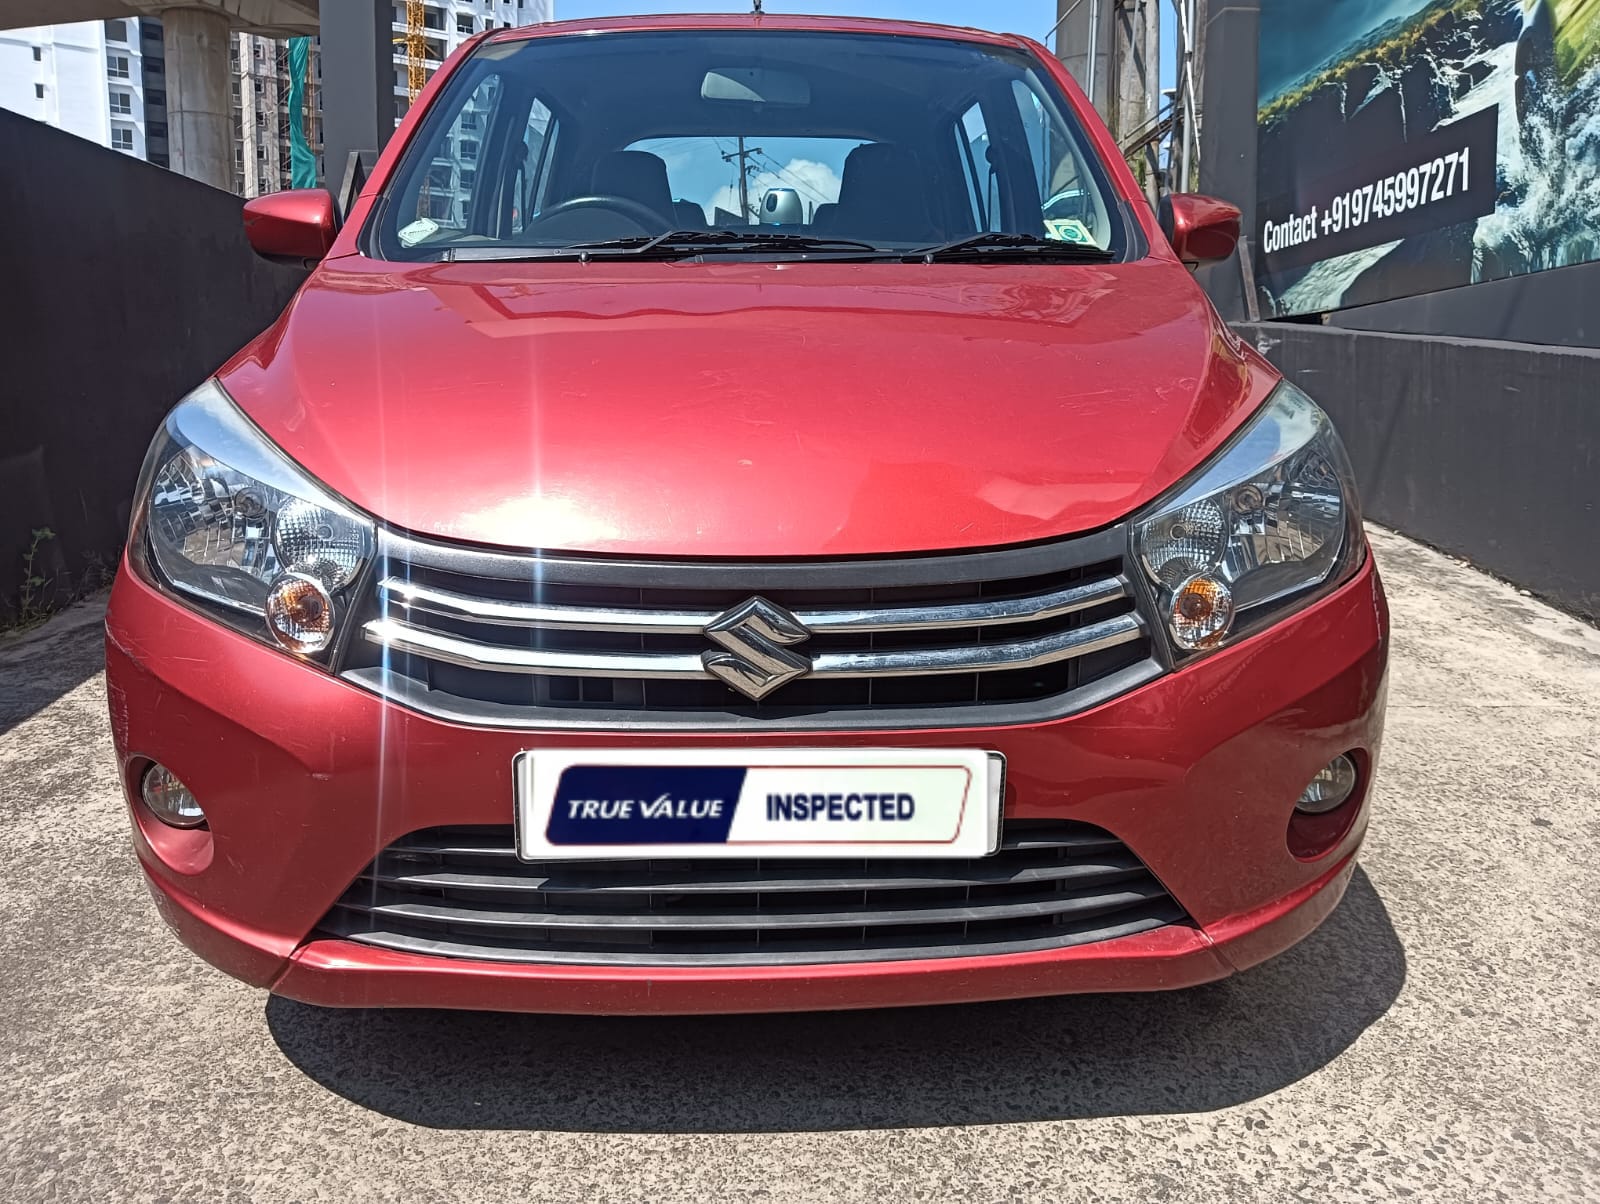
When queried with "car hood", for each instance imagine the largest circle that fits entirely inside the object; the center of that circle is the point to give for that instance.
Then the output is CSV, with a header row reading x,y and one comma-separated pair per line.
x,y
722,409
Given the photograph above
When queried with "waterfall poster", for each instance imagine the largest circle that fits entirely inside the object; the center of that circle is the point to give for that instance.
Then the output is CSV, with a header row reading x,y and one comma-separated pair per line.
x,y
1406,146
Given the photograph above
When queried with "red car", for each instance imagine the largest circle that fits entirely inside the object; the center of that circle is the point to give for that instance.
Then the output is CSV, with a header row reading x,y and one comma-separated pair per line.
x,y
747,513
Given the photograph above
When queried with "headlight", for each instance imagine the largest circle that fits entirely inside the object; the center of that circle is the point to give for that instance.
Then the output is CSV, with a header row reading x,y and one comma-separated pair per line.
x,y
1257,530
224,517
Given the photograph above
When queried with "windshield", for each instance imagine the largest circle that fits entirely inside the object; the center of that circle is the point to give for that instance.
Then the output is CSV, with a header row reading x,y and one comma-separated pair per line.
x,y
782,143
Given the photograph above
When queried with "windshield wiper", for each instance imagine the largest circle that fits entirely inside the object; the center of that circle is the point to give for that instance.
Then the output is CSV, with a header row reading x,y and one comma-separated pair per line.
x,y
754,239
671,245
502,252
997,244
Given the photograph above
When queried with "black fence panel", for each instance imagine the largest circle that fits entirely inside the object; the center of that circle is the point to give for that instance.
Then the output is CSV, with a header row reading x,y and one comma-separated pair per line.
x,y
124,286
1489,450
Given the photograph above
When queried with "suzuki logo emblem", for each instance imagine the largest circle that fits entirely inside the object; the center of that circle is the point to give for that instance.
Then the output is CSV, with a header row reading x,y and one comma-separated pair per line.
x,y
754,658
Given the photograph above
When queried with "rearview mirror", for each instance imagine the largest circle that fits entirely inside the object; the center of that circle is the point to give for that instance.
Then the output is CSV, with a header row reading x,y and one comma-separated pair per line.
x,y
756,85
295,227
1200,228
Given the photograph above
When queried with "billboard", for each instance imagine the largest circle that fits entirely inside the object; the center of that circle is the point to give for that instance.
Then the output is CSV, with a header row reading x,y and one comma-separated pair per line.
x,y
1406,146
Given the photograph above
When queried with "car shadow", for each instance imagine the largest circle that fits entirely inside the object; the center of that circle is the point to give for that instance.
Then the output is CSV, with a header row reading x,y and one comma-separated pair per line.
x,y
1043,1059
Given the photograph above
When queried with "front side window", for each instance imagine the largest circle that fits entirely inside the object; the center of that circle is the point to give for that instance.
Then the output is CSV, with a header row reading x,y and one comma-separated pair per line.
x,y
1069,202
978,170
440,203
871,143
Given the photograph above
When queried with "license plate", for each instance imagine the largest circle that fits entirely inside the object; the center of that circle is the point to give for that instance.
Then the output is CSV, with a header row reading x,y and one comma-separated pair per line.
x,y
640,803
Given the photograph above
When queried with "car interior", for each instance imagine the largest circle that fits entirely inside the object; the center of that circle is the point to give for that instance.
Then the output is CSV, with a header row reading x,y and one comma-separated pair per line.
x,y
947,139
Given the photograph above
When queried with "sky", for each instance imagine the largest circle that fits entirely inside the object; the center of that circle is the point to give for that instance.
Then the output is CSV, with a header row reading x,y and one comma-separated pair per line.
x,y
1031,17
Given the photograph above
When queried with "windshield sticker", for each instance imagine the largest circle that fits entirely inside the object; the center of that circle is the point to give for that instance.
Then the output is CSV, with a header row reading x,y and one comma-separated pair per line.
x,y
420,230
1069,229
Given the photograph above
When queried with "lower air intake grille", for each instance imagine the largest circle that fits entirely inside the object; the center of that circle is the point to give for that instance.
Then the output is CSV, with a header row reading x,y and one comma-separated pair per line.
x,y
461,892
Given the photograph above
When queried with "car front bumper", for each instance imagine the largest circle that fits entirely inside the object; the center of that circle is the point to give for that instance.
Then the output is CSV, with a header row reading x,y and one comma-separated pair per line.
x,y
305,777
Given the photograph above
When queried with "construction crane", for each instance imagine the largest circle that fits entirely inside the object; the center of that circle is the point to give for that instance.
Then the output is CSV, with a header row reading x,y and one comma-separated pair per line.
x,y
416,77
416,50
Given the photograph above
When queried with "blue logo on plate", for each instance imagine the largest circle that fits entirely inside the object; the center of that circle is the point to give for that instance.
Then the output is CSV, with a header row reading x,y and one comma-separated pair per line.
x,y
645,804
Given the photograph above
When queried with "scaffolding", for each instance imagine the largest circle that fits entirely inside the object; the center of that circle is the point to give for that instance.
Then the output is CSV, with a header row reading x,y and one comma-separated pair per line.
x,y
263,159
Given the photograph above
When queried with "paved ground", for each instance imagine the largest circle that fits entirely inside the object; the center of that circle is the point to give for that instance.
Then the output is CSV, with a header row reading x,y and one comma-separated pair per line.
x,y
1437,1039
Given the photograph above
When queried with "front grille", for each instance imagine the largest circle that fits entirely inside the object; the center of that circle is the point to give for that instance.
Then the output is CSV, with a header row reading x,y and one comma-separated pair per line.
x,y
1017,635
462,892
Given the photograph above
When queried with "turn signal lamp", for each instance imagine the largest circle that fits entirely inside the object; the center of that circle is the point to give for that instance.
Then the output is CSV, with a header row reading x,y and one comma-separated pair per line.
x,y
1201,613
300,613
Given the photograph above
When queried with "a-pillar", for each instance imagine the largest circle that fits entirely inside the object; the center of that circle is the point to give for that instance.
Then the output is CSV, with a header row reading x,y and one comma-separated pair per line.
x,y
199,108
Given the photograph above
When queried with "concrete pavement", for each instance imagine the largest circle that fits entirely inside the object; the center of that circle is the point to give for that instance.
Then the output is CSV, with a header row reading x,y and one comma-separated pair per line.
x,y
1436,1039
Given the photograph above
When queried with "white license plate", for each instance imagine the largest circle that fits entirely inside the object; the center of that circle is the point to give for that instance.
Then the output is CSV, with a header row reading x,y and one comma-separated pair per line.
x,y
833,802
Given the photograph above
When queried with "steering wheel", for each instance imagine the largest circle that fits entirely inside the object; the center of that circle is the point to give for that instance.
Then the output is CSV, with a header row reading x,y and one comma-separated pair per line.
x,y
641,215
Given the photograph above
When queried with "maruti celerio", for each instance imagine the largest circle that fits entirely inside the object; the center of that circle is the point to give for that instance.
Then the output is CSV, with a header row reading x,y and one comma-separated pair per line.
x,y
745,513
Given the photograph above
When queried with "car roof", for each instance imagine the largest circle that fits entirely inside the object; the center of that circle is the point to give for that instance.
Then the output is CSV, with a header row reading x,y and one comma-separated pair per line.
x,y
757,21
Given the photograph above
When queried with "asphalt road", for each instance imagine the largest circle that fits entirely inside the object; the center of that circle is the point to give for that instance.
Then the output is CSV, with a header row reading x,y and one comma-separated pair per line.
x,y
1437,1039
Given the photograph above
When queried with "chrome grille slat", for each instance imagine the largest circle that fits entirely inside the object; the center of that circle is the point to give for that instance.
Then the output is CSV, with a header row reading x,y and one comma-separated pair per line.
x,y
402,637
1033,608
410,596
396,636
759,918
489,843
1021,654
413,597
794,953
463,893
599,886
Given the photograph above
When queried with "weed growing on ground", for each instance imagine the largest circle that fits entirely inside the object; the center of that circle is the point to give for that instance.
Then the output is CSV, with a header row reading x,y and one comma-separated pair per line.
x,y
32,607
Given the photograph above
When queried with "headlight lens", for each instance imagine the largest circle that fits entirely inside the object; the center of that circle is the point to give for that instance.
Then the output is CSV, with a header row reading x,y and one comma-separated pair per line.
x,y
228,519
1272,517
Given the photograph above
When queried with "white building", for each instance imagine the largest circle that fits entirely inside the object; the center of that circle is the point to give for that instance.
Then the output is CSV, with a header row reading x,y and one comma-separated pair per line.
x,y
105,81
448,23
100,80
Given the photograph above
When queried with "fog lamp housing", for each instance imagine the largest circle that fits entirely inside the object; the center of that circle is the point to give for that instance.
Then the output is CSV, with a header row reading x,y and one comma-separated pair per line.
x,y
170,800
1331,788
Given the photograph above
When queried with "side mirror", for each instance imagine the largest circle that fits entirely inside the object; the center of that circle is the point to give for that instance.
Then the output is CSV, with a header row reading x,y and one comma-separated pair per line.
x,y
295,227
1200,228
